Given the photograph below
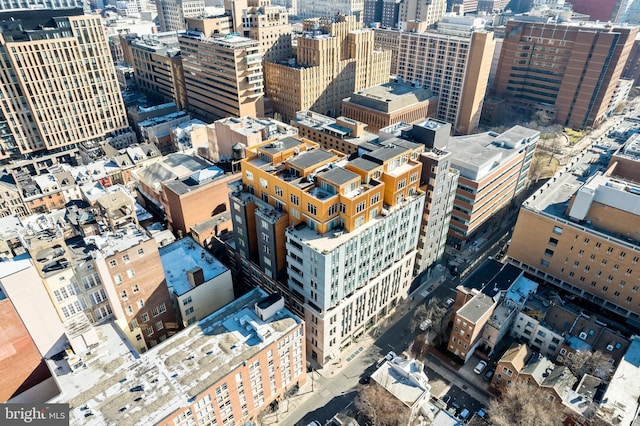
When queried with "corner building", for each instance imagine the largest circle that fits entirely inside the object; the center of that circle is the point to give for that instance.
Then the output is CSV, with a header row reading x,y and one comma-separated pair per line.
x,y
340,236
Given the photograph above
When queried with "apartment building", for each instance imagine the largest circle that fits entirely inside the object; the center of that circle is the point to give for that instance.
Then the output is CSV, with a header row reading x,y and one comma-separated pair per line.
x,y
390,103
66,94
341,134
572,66
427,11
229,367
454,62
354,222
493,170
311,9
223,75
438,181
334,58
581,235
158,71
172,13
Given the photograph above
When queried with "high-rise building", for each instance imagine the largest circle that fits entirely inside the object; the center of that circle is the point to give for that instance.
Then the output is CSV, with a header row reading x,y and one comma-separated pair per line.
x,y
334,59
269,26
491,6
171,13
454,62
573,67
314,9
465,6
41,4
58,82
493,170
339,235
158,72
605,10
223,75
582,236
426,11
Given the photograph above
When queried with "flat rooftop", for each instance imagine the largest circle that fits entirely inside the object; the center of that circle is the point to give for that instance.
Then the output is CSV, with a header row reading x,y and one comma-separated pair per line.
x,y
171,373
475,308
390,97
404,379
183,256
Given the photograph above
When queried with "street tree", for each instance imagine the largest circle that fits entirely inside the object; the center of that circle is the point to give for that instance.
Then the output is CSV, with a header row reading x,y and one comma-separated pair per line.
x,y
380,407
588,362
523,405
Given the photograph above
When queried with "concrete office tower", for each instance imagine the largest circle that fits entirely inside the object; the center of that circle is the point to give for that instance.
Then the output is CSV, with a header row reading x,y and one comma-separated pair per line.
x,y
582,236
427,11
334,58
341,234
223,75
171,13
454,62
493,170
157,65
58,82
316,9
569,70
465,6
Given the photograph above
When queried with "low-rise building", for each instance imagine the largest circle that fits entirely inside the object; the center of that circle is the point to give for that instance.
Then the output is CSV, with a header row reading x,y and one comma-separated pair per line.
x,y
198,282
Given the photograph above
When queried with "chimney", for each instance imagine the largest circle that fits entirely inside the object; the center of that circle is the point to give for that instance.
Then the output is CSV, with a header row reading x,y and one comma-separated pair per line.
x,y
195,276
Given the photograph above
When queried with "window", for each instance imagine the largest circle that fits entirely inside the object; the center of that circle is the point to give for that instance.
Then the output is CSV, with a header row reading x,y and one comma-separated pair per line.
x,y
145,317
131,273
413,177
125,258
187,300
135,288
113,263
129,310
548,252
375,198
149,331
402,184
557,230
360,206
553,242
189,311
140,252
140,303
544,262
123,295
159,325
277,190
294,200
117,278
311,209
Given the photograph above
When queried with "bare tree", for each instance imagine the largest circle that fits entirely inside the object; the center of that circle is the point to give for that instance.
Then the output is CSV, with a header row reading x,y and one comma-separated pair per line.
x,y
593,363
419,346
381,408
522,405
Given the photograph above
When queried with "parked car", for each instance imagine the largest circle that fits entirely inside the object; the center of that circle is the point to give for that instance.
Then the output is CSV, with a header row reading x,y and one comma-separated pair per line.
x,y
390,356
482,413
449,302
464,414
480,367
424,325
489,374
315,423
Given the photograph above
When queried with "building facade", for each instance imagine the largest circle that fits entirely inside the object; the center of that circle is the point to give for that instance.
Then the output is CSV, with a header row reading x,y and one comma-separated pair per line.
x,y
427,11
355,221
171,13
158,69
223,75
311,9
334,59
455,68
64,95
573,67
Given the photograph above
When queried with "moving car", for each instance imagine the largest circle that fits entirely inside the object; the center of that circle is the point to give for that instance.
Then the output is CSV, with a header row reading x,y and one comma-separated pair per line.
x,y
480,367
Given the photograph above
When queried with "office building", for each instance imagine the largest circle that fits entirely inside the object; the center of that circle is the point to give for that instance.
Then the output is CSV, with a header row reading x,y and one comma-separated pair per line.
x,y
339,236
334,59
426,11
6,5
604,11
66,94
269,26
386,104
571,67
158,72
172,13
454,62
242,357
492,6
581,235
465,6
493,170
223,75
313,9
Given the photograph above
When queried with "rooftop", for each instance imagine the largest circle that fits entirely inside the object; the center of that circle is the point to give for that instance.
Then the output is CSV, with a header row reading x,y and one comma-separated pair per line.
x,y
183,256
110,243
200,178
171,373
475,308
390,97
623,392
404,379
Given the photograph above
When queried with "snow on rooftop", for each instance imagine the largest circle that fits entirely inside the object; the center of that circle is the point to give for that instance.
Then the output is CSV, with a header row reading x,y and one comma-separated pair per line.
x,y
623,393
111,243
171,373
184,255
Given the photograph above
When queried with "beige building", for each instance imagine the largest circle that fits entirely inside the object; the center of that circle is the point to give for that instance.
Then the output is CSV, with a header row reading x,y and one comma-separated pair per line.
x,y
388,39
172,13
223,75
64,95
427,11
455,67
334,58
158,69
386,104
269,26
582,236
